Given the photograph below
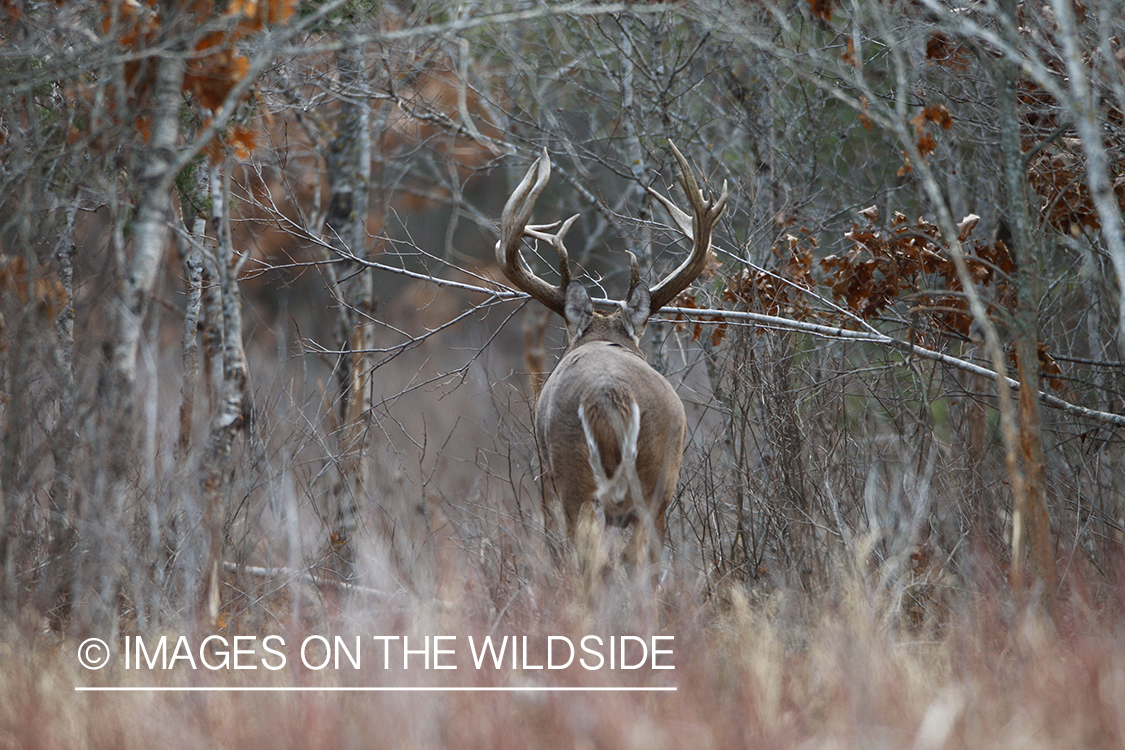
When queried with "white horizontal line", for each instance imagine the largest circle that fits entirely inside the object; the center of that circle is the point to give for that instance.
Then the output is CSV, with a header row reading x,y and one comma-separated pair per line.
x,y
407,689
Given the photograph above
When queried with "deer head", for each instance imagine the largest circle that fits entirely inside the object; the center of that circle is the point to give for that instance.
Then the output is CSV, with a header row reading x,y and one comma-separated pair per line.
x,y
609,428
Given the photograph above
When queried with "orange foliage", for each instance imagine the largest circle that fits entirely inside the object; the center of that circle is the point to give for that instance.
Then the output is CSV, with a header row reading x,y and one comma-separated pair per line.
x,y
686,299
864,118
1057,175
211,76
821,9
938,115
1049,368
243,140
216,66
884,266
926,144
906,167
780,293
31,285
256,14
944,51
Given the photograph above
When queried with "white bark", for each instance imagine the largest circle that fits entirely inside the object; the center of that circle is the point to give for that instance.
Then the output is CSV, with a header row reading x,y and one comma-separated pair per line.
x,y
1085,115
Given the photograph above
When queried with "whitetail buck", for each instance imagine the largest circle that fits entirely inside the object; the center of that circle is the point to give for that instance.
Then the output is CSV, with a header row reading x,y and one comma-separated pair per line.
x,y
610,429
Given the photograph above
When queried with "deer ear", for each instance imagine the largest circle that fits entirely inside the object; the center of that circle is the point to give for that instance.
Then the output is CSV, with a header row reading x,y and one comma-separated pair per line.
x,y
636,310
579,310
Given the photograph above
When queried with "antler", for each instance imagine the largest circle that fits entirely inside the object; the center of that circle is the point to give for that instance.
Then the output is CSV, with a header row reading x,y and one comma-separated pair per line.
x,y
513,228
697,227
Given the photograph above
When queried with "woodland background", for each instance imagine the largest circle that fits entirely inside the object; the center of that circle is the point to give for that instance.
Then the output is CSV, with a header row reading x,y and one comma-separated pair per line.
x,y
259,369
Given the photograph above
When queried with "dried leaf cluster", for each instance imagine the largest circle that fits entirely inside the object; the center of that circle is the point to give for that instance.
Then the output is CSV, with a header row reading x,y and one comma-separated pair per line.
x,y
884,266
216,66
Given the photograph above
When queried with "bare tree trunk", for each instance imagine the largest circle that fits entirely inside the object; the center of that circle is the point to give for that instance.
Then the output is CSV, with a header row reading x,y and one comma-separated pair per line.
x,y
733,440
638,195
1029,506
105,522
535,326
17,345
64,440
193,273
1089,128
235,403
345,227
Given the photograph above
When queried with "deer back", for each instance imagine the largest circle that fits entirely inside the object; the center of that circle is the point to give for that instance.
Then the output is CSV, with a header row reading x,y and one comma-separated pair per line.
x,y
585,414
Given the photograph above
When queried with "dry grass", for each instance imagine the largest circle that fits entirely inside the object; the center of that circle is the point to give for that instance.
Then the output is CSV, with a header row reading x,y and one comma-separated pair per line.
x,y
832,672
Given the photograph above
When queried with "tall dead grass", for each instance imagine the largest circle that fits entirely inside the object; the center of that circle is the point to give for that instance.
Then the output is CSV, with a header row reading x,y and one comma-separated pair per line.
x,y
834,670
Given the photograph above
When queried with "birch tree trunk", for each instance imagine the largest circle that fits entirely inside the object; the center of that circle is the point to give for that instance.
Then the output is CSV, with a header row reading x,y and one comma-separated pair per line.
x,y
100,577
1089,127
235,404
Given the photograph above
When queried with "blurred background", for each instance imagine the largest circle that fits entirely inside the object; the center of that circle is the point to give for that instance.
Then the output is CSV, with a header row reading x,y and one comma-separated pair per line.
x,y
256,355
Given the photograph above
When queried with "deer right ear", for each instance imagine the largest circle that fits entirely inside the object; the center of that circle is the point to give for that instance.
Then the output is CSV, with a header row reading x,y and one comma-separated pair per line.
x,y
636,311
579,310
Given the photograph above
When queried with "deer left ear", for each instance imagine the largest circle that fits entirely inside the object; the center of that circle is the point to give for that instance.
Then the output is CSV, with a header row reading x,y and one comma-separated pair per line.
x,y
636,310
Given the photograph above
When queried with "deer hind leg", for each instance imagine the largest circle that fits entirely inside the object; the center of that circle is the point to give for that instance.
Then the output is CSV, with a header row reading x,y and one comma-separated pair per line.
x,y
646,547
589,547
616,494
557,525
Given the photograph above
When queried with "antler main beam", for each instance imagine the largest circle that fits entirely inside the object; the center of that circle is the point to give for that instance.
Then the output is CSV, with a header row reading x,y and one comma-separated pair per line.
x,y
697,227
514,227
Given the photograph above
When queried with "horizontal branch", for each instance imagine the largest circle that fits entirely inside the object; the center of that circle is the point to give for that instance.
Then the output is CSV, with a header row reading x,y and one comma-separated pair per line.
x,y
880,339
500,292
469,22
312,579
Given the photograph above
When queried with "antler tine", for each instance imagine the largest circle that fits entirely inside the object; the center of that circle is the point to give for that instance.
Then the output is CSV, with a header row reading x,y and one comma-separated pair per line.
x,y
682,220
519,206
513,228
634,271
697,227
537,233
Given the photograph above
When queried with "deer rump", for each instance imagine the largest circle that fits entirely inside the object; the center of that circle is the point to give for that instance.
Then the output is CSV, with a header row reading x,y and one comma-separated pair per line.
x,y
610,431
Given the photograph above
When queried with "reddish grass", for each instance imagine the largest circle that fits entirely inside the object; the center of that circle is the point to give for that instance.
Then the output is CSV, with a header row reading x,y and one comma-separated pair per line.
x,y
770,674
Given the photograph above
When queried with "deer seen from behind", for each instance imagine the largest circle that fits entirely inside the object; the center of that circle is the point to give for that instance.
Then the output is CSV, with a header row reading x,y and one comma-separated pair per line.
x,y
610,429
